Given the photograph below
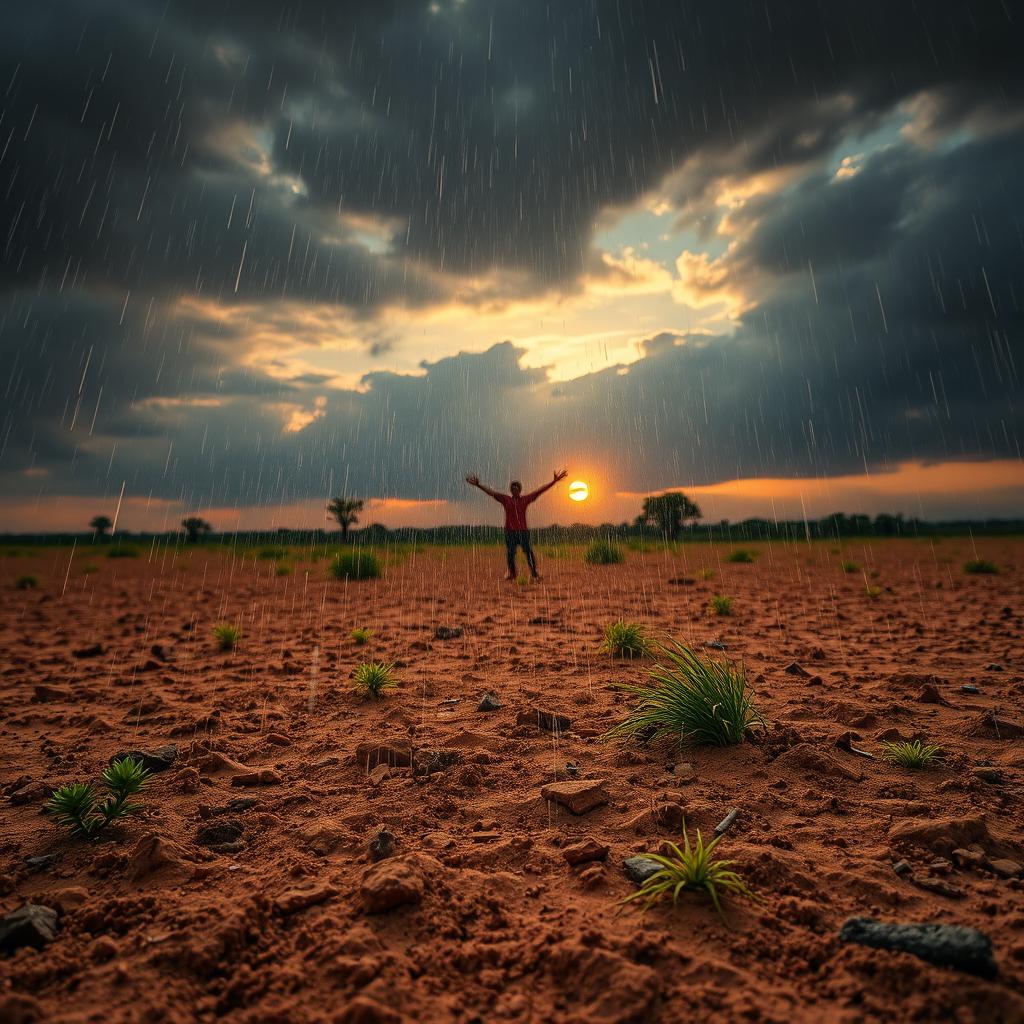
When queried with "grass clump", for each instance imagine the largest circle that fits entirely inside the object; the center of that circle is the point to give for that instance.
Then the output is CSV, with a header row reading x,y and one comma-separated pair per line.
x,y
354,565
690,699
79,808
227,635
690,869
26,582
123,551
849,566
283,570
981,567
706,574
271,553
361,635
873,592
373,677
741,556
913,755
625,639
721,605
603,552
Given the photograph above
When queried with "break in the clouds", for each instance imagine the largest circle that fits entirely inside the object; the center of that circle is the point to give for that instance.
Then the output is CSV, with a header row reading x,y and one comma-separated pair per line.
x,y
262,252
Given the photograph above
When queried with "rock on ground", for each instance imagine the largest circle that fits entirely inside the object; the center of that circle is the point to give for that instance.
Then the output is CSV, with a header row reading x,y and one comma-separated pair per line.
x,y
577,797
31,925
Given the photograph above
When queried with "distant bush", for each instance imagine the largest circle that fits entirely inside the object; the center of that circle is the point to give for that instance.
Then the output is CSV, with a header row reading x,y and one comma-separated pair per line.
x,y
741,556
271,553
123,551
354,565
721,605
26,583
849,566
283,570
603,552
981,567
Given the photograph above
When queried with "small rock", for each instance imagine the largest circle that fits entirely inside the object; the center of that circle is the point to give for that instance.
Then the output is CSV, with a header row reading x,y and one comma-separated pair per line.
x,y
43,693
592,876
902,867
32,793
994,667
447,632
1006,868
428,762
796,669
395,753
993,776
965,949
43,862
278,739
968,688
578,797
227,830
91,651
104,949
486,837
391,883
165,652
260,777
361,1009
639,869
969,858
378,775
294,900
547,720
157,760
30,925
684,770
489,703
382,845
939,886
584,852
930,695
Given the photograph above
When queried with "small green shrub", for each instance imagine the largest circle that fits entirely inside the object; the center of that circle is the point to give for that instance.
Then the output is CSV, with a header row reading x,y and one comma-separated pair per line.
x,y
913,755
354,565
690,699
981,567
625,639
283,570
741,556
361,635
690,869
123,551
706,574
521,581
373,677
271,553
26,582
721,605
226,635
874,593
78,808
603,552
849,566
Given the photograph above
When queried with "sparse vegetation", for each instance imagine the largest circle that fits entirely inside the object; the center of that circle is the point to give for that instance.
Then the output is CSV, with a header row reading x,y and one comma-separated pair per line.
x,y
354,565
521,580
79,808
849,566
690,699
603,552
668,512
282,569
123,551
271,553
981,567
873,592
227,635
625,639
741,556
706,574
89,568
913,755
361,635
26,582
373,677
721,605
694,869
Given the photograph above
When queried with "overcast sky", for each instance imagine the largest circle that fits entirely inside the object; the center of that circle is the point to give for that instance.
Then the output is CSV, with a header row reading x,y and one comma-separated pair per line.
x,y
254,254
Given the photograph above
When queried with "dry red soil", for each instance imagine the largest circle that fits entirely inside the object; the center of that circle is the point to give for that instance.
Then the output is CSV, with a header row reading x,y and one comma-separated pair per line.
x,y
287,922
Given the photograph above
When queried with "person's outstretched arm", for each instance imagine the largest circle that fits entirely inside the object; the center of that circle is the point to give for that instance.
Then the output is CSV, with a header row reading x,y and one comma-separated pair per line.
x,y
560,474
474,481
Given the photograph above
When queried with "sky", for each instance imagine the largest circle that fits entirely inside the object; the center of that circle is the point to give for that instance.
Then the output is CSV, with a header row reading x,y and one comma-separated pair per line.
x,y
256,254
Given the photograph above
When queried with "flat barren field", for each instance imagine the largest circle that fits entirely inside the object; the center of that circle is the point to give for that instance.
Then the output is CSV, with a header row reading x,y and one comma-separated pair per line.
x,y
306,853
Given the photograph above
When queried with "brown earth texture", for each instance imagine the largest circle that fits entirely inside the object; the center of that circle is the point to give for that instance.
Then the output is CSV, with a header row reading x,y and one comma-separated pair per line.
x,y
254,886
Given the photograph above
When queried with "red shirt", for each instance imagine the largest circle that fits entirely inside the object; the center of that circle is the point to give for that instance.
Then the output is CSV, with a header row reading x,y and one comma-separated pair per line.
x,y
515,509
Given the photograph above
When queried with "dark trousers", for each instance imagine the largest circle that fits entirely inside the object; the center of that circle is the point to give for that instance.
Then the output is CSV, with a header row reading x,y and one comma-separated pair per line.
x,y
519,539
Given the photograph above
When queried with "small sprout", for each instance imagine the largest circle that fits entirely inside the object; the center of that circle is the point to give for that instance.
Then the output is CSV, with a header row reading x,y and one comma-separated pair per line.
x,y
981,567
692,868
361,635
913,756
27,583
78,808
625,639
603,552
741,556
873,592
226,635
354,565
373,677
721,605
849,566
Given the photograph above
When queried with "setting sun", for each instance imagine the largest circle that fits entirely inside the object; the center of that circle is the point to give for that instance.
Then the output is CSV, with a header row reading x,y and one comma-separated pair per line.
x,y
579,490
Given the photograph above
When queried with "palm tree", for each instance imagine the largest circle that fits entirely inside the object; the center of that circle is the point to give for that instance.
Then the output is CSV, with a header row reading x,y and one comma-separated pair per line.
x,y
195,528
345,511
668,512
100,525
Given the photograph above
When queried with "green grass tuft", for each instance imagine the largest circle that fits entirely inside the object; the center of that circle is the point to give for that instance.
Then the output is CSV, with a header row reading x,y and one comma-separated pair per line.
x,y
361,635
373,677
283,569
226,635
272,553
690,699
849,566
625,639
123,551
721,605
354,565
913,755
981,567
603,552
79,808
706,574
874,593
741,556
690,869
26,582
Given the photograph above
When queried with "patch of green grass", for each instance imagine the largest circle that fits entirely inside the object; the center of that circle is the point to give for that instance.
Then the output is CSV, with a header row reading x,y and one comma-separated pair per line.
x,y
706,574
603,552
625,639
123,551
283,570
741,556
913,755
79,808
89,568
373,677
981,567
721,605
227,635
690,699
361,635
522,581
690,869
271,553
354,565
849,566
26,582
873,592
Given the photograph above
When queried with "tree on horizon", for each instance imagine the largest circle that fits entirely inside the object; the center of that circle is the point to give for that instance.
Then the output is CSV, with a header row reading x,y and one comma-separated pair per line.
x,y
100,525
345,512
195,528
668,511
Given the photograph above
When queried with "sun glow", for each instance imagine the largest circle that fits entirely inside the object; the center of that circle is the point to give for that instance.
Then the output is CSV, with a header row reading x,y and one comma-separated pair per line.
x,y
579,490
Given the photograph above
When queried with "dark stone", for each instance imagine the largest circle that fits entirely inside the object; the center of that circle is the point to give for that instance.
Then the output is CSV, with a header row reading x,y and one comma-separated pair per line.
x,y
968,688
965,949
382,845
447,632
226,831
235,806
30,925
92,651
639,869
165,652
902,867
489,703
427,762
158,760
43,862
